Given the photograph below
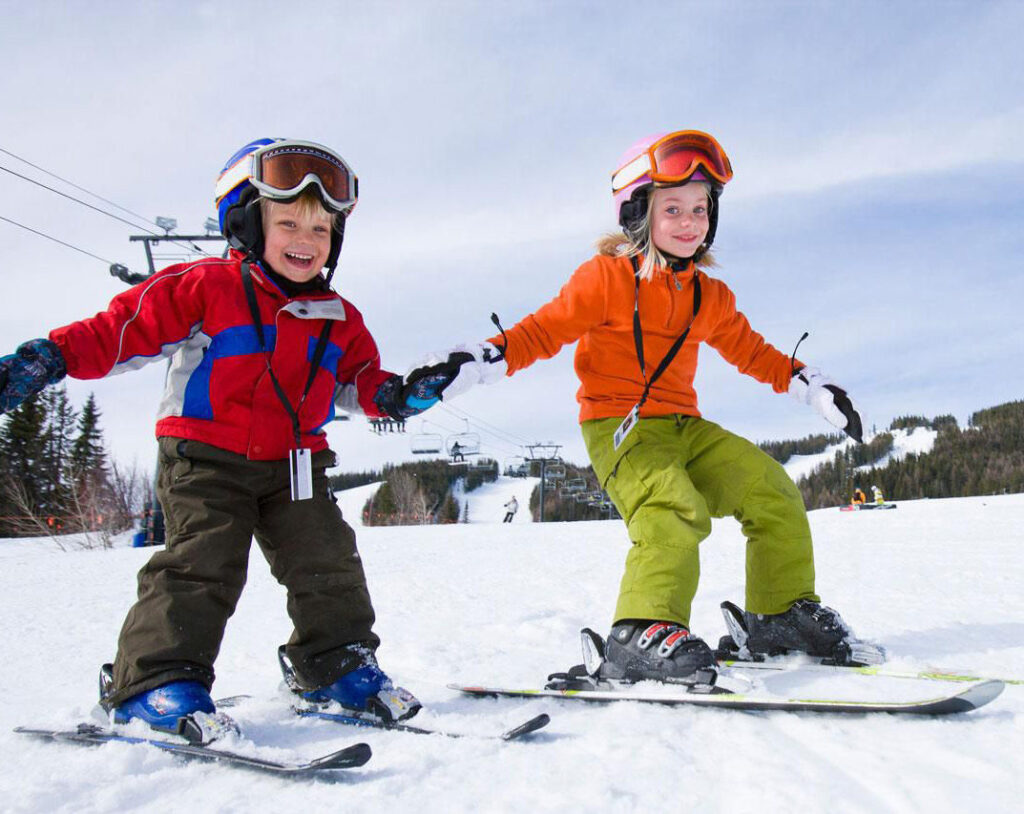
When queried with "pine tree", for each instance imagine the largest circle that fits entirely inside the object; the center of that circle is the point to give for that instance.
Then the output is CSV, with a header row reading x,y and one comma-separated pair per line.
x,y
87,453
21,450
57,439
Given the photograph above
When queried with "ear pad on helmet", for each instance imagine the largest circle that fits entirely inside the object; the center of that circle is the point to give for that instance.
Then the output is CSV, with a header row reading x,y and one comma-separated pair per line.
x,y
243,226
632,212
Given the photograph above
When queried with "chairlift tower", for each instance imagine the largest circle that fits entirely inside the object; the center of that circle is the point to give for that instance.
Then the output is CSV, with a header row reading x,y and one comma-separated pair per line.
x,y
545,454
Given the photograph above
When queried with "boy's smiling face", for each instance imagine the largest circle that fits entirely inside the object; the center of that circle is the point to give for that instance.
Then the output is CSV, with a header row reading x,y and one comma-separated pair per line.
x,y
296,241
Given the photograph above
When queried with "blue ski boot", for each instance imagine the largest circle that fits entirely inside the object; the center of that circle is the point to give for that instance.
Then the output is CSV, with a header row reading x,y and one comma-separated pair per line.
x,y
182,708
365,691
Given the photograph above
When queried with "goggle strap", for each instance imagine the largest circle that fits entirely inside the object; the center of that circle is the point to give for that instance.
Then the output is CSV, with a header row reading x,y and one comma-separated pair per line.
x,y
635,169
236,174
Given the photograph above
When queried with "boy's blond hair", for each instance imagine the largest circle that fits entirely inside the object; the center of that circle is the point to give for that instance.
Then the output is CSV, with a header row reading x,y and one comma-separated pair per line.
x,y
309,204
620,244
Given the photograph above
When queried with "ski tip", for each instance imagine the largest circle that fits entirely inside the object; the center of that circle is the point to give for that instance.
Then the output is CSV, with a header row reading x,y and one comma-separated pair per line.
x,y
355,755
977,695
532,725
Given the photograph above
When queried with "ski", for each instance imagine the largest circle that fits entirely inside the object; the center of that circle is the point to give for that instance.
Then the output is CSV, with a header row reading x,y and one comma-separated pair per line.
x,y
91,735
535,723
526,728
863,657
783,663
963,700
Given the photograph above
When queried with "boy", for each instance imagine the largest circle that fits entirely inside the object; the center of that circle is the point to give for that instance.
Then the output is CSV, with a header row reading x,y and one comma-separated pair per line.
x,y
261,351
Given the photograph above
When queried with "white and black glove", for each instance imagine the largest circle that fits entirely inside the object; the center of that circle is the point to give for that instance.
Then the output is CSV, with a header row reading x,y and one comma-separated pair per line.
x,y
458,369
810,386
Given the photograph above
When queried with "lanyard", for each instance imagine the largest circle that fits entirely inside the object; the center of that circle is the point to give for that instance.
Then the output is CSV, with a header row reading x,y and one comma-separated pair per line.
x,y
638,336
318,353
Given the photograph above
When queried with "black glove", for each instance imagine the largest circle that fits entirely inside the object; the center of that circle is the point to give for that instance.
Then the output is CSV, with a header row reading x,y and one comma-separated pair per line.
x,y
28,370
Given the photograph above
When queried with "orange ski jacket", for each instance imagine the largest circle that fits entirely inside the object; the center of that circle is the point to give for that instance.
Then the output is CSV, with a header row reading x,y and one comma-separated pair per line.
x,y
596,307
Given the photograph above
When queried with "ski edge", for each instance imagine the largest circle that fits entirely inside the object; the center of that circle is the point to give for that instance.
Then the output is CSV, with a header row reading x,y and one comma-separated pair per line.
x,y
871,670
88,735
527,727
965,700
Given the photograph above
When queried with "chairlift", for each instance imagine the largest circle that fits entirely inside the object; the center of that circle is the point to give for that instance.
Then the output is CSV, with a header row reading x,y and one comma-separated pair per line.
x,y
462,443
554,472
516,467
484,463
575,485
426,443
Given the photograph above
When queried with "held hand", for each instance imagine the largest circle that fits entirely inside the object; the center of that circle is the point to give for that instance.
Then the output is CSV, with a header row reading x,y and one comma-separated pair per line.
x,y
456,371
440,376
28,370
810,386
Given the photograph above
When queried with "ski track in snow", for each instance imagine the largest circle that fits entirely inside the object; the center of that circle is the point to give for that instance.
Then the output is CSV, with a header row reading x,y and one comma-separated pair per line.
x,y
937,582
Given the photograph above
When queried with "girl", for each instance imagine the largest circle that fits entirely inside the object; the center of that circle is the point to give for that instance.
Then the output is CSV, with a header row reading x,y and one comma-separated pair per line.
x,y
640,310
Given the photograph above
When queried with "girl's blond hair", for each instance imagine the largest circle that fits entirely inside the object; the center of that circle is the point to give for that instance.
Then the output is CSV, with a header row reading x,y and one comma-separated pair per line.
x,y
622,244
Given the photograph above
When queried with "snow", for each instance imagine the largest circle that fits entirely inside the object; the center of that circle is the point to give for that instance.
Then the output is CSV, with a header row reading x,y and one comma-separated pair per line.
x,y
936,582
913,441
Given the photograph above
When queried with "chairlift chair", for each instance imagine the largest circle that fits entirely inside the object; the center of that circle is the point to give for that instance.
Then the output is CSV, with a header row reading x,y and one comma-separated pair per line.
x,y
426,443
555,472
468,444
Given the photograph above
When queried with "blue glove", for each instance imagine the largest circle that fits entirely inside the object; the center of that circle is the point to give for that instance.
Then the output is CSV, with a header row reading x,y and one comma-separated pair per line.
x,y
421,389
28,370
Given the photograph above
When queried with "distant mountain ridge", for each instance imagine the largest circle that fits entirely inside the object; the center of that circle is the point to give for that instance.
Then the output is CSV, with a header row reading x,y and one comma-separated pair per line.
x,y
915,458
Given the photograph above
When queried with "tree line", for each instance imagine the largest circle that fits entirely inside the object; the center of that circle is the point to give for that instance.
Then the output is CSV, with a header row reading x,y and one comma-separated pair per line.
x,y
56,476
986,457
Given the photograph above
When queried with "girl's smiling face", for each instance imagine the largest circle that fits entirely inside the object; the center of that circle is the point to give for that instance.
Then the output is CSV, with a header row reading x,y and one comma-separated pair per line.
x,y
296,240
679,219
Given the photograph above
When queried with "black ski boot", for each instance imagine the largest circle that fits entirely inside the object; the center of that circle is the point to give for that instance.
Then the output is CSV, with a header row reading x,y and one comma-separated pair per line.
x,y
643,650
807,627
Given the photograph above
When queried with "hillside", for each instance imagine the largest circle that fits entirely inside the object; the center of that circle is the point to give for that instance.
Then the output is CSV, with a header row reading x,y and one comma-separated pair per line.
x,y
915,458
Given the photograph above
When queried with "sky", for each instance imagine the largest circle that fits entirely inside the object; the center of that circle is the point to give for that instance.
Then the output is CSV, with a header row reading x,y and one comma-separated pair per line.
x,y
877,200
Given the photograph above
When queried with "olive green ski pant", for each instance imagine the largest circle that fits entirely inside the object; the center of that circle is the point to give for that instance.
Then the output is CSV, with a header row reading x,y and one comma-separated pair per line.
x,y
669,477
214,502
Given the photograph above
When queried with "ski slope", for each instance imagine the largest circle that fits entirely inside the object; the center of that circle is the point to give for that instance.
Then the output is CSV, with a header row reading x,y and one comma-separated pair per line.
x,y
914,441
937,582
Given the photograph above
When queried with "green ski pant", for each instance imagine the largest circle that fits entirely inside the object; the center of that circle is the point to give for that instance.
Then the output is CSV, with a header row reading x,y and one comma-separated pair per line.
x,y
214,502
669,477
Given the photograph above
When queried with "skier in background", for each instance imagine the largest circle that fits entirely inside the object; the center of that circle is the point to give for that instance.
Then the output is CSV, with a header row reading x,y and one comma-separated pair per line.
x,y
879,497
262,349
510,509
639,310
859,498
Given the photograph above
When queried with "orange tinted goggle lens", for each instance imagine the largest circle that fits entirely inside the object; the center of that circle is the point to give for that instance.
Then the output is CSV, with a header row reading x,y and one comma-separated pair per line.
x,y
676,157
285,169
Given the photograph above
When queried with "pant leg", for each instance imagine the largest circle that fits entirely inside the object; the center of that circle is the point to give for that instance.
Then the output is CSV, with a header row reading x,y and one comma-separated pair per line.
x,y
737,478
188,591
312,552
665,513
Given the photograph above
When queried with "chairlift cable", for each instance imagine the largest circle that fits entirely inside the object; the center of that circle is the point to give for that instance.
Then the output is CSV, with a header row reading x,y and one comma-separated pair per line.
x,y
507,437
76,186
55,240
169,238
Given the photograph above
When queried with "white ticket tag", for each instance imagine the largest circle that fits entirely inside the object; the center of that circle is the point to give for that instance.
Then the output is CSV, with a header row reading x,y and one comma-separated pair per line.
x,y
627,425
300,463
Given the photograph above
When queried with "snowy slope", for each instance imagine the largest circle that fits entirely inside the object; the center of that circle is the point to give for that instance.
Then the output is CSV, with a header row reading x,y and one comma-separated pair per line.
x,y
487,502
937,582
916,440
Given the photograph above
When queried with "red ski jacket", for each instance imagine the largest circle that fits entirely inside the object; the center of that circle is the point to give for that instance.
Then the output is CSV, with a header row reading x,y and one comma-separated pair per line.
x,y
218,387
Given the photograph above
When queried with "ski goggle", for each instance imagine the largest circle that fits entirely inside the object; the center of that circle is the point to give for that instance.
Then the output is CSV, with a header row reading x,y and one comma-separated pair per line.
x,y
674,158
280,171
